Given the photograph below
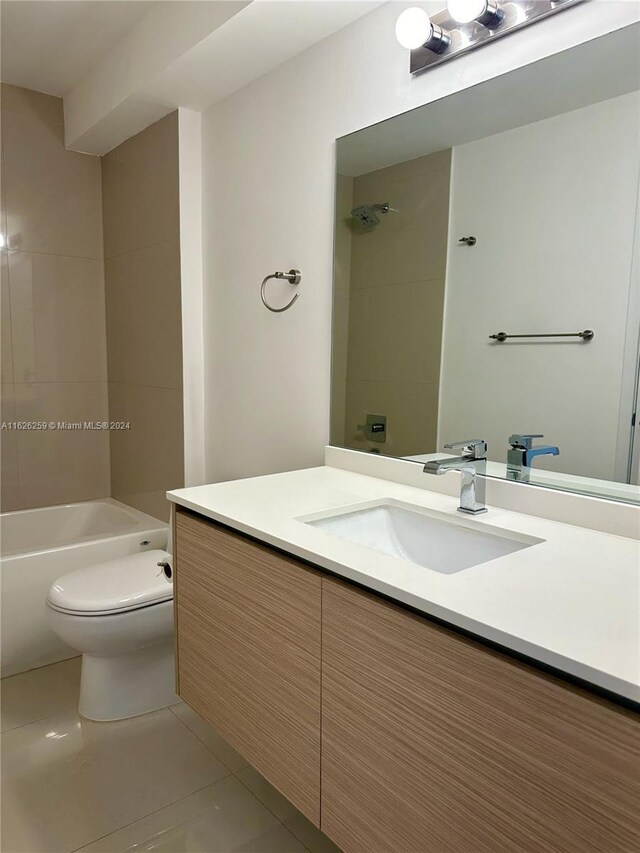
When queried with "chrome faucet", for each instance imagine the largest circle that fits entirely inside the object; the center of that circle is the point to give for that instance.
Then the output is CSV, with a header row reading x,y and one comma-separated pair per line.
x,y
471,462
522,453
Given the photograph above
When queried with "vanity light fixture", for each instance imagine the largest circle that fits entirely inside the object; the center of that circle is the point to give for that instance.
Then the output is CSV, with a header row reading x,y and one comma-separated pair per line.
x,y
415,29
465,25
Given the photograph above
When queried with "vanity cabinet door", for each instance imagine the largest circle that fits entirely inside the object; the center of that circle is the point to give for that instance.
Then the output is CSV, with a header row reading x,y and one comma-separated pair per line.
x,y
248,627
434,743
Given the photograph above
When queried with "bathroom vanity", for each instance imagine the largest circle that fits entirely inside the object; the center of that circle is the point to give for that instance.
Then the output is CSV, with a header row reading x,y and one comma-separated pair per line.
x,y
489,708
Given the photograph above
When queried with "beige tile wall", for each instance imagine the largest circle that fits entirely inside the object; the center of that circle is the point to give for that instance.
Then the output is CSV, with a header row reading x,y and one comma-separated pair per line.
x,y
396,305
144,338
54,363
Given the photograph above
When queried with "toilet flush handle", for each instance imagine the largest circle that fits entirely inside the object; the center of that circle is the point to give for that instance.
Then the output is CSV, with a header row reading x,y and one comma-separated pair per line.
x,y
166,569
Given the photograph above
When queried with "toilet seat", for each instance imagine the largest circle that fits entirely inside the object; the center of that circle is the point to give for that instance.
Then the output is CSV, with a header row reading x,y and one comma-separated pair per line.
x,y
115,586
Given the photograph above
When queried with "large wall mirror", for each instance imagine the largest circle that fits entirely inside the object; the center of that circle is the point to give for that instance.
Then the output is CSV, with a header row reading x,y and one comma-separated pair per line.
x,y
511,207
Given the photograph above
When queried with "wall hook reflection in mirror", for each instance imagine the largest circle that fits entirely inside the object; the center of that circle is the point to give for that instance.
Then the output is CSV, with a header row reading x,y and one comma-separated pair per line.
x,y
468,241
293,277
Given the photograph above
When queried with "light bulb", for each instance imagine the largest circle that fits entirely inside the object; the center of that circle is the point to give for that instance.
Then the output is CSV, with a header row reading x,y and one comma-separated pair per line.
x,y
484,11
413,28
465,11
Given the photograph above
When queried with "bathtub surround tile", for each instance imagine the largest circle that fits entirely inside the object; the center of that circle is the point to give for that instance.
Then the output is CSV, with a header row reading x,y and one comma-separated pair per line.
x,y
140,189
51,212
412,415
143,310
47,108
67,781
410,245
39,693
6,365
52,195
209,737
144,326
222,818
147,459
10,494
57,318
60,466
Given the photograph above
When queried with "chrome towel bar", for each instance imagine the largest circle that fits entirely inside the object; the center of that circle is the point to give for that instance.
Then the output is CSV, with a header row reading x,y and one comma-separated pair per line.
x,y
293,277
587,335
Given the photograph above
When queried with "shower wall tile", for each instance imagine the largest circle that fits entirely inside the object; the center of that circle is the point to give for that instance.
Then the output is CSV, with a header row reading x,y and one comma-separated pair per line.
x,y
144,460
53,312
57,318
52,195
373,182
10,496
144,316
140,189
412,415
410,245
47,108
396,332
62,465
5,319
143,309
396,305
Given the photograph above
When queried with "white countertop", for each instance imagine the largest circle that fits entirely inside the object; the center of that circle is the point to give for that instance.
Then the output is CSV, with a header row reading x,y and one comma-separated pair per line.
x,y
571,601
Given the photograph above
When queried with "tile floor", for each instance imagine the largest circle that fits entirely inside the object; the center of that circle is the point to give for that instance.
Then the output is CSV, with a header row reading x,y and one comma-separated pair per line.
x,y
164,782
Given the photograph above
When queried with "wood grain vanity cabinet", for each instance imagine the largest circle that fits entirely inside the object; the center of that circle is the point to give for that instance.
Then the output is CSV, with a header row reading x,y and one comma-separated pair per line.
x,y
248,652
428,741
435,743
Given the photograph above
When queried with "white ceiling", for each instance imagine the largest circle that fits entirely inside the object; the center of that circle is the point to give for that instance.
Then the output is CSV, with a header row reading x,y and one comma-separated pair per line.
x,y
122,64
49,45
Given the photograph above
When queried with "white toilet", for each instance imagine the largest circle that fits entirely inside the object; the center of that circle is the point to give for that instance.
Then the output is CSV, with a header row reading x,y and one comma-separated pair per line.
x,y
119,614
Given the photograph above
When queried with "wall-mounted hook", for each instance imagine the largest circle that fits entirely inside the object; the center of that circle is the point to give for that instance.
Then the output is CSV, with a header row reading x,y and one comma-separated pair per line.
x,y
468,241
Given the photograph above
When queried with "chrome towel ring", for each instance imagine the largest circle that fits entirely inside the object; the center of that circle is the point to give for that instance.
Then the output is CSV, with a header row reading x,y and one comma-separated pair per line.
x,y
293,277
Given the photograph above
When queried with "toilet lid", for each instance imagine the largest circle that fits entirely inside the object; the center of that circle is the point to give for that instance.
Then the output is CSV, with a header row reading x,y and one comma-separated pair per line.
x,y
127,583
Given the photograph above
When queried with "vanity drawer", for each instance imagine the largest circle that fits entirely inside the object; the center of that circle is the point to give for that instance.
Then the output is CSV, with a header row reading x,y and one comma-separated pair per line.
x,y
248,643
434,742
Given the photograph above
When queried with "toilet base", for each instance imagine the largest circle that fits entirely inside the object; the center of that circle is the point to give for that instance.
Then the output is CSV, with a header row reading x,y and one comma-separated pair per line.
x,y
127,685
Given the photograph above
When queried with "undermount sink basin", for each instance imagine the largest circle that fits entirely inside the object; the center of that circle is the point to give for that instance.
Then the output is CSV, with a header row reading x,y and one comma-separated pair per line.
x,y
429,538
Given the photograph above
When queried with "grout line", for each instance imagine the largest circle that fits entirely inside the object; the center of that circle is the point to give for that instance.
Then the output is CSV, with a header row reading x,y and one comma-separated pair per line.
x,y
143,248
12,251
208,748
264,805
30,723
394,284
148,814
236,775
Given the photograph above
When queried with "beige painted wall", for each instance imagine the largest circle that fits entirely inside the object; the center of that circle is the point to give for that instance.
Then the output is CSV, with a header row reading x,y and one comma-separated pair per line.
x,y
54,364
144,329
396,305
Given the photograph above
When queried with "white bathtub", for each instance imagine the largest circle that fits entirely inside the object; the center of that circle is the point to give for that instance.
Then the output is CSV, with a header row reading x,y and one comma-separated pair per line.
x,y
39,545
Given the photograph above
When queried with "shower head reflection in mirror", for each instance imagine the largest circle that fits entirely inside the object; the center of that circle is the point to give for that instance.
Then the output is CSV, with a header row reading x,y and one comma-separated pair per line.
x,y
367,214
550,189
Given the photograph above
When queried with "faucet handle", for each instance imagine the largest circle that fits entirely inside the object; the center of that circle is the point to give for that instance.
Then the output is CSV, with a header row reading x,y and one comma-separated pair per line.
x,y
473,448
524,440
